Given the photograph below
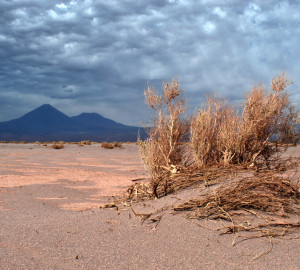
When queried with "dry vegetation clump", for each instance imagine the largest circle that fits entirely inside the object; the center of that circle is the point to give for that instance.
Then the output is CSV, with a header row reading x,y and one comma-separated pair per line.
x,y
270,193
112,145
209,129
73,143
268,197
139,192
82,143
203,178
59,145
87,142
118,145
163,152
238,151
221,135
107,145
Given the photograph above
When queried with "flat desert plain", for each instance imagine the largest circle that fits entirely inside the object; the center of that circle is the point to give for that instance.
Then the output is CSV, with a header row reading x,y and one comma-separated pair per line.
x,y
50,218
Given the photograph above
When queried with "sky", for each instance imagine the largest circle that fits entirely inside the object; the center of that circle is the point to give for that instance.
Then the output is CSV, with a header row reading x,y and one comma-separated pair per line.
x,y
99,55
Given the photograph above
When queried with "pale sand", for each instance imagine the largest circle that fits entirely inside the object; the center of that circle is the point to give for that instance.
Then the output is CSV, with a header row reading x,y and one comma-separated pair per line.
x,y
50,218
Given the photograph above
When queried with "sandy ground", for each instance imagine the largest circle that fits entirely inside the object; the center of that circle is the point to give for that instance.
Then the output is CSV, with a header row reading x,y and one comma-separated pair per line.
x,y
105,172
50,218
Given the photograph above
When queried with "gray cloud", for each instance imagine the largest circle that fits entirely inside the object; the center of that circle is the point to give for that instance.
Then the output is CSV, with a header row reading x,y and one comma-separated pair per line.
x,y
99,55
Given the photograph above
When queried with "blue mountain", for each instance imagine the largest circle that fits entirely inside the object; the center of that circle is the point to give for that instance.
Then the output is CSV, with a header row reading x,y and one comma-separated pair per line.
x,y
46,123
43,119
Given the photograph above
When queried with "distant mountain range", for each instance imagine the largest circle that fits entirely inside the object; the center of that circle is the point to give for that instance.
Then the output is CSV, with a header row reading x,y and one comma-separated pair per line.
x,y
49,124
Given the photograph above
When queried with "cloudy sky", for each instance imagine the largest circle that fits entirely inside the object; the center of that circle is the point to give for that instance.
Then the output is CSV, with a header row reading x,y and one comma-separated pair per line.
x,y
99,55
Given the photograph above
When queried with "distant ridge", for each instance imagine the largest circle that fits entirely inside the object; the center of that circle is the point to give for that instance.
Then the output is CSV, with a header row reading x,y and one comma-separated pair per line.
x,y
46,123
95,120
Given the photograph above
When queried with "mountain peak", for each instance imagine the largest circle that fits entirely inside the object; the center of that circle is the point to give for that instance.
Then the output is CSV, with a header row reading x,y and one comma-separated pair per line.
x,y
90,115
45,114
47,123
95,120
46,106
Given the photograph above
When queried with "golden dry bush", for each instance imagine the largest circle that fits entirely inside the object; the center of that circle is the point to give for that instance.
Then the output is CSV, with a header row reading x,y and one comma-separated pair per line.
x,y
268,116
107,145
219,134
59,145
163,151
268,192
213,132
118,145
87,142
265,205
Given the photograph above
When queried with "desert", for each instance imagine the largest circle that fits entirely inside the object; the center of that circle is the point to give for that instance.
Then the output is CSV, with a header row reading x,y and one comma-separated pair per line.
x,y
149,134
51,217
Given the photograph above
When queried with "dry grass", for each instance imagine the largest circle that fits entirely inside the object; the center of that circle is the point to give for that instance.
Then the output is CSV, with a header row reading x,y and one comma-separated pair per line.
x,y
271,199
82,143
118,145
107,145
112,145
238,151
258,203
87,142
175,182
270,193
221,135
163,152
209,130
59,145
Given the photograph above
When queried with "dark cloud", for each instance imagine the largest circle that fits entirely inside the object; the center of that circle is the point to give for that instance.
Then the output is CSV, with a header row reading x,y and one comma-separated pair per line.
x,y
86,55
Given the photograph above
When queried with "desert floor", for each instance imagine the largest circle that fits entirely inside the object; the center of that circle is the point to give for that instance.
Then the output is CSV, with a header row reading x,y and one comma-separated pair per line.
x,y
50,218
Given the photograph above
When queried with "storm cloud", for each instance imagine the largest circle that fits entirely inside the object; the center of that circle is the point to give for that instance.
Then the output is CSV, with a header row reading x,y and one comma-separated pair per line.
x,y
99,56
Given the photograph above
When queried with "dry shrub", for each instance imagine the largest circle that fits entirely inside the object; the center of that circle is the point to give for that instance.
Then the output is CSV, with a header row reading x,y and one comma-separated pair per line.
x,y
82,143
267,116
163,152
243,140
252,136
112,145
87,142
58,145
269,193
213,133
118,145
139,192
175,182
269,198
221,135
107,145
